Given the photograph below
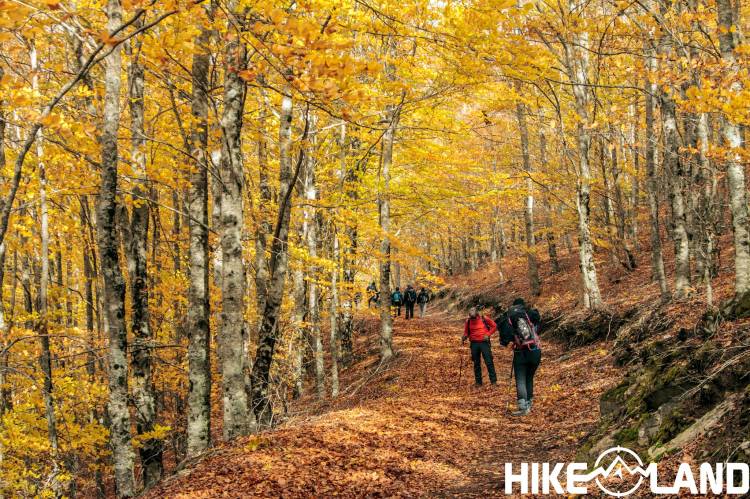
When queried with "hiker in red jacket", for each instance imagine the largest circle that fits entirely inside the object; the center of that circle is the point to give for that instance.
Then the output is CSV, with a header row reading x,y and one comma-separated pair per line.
x,y
478,330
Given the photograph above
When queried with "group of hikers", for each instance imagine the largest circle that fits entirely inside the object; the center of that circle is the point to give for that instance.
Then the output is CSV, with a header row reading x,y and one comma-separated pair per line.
x,y
407,299
518,327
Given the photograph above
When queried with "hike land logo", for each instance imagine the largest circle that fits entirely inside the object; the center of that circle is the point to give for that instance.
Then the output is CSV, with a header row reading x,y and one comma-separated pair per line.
x,y
620,472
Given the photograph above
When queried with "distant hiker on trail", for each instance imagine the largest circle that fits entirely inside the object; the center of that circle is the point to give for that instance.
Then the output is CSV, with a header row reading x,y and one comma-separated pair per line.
x,y
423,298
410,298
478,330
519,326
397,299
373,293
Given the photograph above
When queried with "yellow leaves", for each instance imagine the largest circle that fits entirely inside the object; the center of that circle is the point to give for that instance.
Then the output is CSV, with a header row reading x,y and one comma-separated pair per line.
x,y
52,120
106,39
277,16
256,442
158,433
51,4
248,75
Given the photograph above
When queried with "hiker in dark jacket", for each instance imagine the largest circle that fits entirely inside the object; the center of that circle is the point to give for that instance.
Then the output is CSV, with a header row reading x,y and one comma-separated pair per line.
x,y
478,330
397,300
519,327
423,298
372,291
410,298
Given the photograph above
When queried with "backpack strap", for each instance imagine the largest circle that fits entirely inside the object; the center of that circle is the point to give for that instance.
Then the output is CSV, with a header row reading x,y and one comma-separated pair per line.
x,y
484,321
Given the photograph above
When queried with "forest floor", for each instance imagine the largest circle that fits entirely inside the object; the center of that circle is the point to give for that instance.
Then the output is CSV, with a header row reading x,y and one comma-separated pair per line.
x,y
414,428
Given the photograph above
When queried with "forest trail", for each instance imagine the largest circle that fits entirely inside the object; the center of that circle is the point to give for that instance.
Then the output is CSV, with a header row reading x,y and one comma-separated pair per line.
x,y
414,429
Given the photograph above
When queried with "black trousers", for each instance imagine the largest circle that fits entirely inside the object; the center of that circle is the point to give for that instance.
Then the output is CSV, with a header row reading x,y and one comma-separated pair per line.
x,y
525,364
409,310
479,350
396,309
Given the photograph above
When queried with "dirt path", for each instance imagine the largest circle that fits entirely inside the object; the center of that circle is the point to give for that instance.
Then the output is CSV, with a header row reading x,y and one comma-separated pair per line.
x,y
414,429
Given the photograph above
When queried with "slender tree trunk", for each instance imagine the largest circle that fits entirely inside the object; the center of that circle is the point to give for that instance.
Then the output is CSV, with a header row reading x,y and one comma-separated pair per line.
x,y
674,166
549,232
577,63
312,231
141,363
528,214
198,313
635,188
263,226
123,456
278,264
231,339
731,135
350,254
45,356
334,314
299,293
657,259
384,199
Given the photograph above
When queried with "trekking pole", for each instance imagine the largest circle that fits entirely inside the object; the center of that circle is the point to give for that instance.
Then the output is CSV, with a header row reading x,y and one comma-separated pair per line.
x,y
461,360
510,392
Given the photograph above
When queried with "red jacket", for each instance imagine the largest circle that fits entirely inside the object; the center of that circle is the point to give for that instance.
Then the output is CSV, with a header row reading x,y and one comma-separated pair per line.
x,y
476,330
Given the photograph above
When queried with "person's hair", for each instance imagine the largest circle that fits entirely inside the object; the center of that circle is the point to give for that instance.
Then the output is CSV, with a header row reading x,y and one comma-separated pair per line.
x,y
519,301
473,312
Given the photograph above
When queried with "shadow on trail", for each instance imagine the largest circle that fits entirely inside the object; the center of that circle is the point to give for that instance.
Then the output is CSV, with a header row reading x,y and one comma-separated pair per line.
x,y
415,429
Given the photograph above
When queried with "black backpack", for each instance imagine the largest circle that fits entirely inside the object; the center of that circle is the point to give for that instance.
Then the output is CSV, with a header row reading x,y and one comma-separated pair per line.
x,y
411,296
524,331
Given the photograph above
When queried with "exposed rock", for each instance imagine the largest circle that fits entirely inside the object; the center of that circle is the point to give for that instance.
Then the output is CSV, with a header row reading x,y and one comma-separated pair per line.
x,y
700,427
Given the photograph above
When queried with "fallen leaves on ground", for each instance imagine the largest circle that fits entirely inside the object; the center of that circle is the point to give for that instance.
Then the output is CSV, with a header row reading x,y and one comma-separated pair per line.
x,y
416,429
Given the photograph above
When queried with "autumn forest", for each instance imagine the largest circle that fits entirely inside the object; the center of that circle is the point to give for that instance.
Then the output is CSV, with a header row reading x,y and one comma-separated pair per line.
x,y
195,195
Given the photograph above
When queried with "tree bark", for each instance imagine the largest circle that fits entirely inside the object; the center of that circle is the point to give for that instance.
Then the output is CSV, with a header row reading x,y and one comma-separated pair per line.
x,y
657,259
231,338
278,264
123,456
349,254
299,293
198,313
312,232
384,201
731,134
674,166
263,225
45,356
528,213
144,397
577,65
334,314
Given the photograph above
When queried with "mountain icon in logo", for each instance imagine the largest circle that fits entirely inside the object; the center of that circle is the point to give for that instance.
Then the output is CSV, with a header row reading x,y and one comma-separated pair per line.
x,y
618,468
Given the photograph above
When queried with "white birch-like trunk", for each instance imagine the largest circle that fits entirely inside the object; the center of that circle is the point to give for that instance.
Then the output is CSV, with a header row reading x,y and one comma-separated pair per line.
x,y
311,230
657,259
577,66
45,357
334,314
528,212
231,337
123,457
141,363
731,135
278,266
384,201
198,313
673,165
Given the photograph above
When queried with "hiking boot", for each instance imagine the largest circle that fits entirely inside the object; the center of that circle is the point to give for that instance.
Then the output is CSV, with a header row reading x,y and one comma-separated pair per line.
x,y
523,408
